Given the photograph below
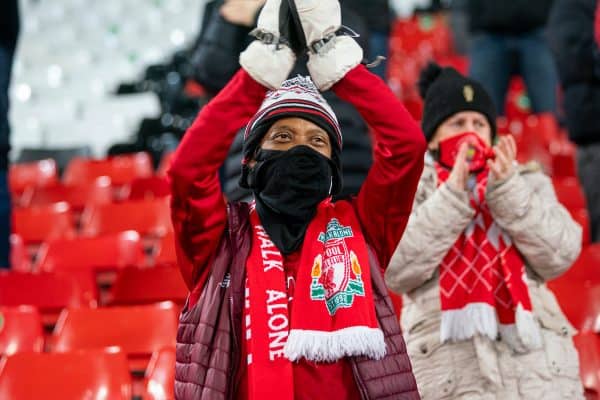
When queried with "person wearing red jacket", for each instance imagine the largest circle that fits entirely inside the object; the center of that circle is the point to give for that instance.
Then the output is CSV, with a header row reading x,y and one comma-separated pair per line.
x,y
287,298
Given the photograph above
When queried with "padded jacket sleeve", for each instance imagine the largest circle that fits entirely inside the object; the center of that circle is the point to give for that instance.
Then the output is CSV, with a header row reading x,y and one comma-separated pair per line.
x,y
526,207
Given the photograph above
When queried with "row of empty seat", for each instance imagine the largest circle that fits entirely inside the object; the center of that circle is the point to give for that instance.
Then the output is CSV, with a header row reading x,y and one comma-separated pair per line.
x,y
121,170
52,291
102,349
58,220
94,282
101,199
66,245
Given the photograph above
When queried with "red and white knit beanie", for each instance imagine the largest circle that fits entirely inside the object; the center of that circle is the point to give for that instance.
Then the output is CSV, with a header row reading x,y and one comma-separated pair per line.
x,y
297,97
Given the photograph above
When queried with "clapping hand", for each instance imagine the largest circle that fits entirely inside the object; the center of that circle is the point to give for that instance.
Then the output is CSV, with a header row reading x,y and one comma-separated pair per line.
x,y
504,165
460,171
267,59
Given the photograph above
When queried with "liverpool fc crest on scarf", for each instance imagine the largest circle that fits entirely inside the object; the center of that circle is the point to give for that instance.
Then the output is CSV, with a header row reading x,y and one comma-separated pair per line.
x,y
336,274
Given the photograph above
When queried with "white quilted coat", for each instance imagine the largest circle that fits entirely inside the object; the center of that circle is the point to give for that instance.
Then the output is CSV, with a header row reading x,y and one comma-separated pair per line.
x,y
525,207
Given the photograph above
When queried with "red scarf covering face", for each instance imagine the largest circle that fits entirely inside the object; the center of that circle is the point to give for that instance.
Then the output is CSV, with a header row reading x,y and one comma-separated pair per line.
x,y
333,315
483,287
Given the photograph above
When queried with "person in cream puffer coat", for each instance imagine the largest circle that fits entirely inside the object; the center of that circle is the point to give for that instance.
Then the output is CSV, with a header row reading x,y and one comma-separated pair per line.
x,y
464,360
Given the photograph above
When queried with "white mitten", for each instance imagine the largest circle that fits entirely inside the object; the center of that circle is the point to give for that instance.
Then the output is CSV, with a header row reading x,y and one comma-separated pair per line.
x,y
268,60
330,56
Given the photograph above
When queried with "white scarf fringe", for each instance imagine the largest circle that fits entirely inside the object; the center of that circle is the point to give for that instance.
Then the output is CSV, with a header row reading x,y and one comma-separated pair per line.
x,y
481,318
463,324
528,329
322,346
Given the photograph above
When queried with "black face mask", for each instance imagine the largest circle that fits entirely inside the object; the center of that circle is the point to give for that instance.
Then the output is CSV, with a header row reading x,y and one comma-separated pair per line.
x,y
288,186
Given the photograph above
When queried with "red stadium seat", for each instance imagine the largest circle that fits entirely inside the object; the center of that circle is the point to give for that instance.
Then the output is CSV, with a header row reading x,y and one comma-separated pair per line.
x,y
38,173
425,37
414,105
194,90
579,302
534,134
588,346
148,217
95,192
120,169
165,163
517,103
502,125
564,163
49,292
149,285
582,217
543,128
69,376
147,188
160,375
20,330
408,74
138,331
38,224
166,254
460,63
19,258
587,267
107,252
570,193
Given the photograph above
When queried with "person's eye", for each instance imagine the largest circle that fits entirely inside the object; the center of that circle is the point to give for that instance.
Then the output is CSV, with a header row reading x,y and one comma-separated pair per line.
x,y
478,124
320,141
281,136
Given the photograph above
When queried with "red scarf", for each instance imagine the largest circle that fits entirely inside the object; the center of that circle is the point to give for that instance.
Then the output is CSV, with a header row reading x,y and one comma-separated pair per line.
x,y
483,287
333,314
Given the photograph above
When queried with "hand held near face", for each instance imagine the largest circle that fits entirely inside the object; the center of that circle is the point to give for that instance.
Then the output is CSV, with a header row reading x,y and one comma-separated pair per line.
x,y
504,164
477,152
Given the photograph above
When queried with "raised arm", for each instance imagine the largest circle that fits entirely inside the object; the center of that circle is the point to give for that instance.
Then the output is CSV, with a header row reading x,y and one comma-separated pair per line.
x,y
198,207
386,197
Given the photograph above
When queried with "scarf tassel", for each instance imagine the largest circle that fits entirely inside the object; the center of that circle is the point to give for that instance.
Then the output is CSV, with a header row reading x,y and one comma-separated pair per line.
x,y
481,318
524,335
320,346
463,324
